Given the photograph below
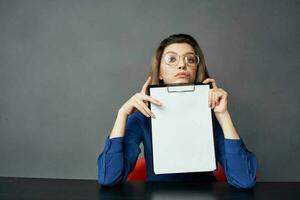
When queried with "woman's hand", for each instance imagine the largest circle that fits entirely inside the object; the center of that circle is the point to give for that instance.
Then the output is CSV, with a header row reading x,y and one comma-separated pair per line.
x,y
139,101
217,100
217,97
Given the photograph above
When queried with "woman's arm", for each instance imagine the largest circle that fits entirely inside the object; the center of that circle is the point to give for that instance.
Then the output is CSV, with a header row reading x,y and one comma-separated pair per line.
x,y
118,129
122,146
227,125
239,164
120,152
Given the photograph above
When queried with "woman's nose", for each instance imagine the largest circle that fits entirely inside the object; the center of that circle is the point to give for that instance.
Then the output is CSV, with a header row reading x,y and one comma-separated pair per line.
x,y
181,64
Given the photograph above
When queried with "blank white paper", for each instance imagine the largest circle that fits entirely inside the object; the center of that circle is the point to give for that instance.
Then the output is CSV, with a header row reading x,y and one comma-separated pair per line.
x,y
182,132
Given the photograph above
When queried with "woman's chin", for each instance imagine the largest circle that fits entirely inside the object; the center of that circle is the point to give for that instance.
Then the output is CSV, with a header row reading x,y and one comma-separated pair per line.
x,y
181,80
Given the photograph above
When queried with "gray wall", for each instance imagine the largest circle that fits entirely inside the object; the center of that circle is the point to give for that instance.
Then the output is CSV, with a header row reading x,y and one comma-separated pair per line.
x,y
67,66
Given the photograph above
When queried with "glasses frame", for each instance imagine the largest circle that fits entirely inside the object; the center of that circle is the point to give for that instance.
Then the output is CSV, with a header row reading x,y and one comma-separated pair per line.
x,y
179,56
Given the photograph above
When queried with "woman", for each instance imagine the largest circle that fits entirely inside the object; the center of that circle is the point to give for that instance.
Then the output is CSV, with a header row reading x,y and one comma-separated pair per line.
x,y
178,59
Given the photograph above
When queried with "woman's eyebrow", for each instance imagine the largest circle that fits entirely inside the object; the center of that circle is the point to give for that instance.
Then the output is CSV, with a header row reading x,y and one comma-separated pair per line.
x,y
189,52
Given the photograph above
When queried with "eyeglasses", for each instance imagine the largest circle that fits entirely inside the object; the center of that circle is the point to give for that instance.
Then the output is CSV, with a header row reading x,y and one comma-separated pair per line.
x,y
172,59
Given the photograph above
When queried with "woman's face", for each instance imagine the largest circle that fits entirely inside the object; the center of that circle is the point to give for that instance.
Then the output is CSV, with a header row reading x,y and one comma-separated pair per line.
x,y
179,72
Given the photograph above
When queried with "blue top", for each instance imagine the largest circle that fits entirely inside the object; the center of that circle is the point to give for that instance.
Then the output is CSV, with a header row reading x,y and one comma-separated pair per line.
x,y
120,154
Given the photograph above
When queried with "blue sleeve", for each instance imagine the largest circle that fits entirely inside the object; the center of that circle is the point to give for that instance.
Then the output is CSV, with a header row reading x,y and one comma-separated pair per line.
x,y
238,163
120,154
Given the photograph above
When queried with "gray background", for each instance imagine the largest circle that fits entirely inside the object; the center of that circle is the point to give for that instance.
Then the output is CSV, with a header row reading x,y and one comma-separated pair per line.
x,y
66,67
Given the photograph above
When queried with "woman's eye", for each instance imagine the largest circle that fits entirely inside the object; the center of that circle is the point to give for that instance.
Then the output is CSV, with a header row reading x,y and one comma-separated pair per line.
x,y
191,60
171,59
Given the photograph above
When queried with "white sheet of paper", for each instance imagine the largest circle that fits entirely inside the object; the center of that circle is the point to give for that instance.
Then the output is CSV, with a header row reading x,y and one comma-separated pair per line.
x,y
182,132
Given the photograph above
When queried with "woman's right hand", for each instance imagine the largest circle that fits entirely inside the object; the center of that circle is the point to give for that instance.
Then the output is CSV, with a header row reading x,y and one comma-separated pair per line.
x,y
139,101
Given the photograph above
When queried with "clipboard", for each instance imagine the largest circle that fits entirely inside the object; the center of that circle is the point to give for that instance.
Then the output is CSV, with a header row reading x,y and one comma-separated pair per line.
x,y
182,134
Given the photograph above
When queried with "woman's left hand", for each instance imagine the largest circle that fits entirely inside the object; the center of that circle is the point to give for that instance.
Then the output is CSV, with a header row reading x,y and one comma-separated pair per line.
x,y
217,97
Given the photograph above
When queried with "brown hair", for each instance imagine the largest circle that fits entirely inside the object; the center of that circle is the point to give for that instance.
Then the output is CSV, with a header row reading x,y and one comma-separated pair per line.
x,y
201,73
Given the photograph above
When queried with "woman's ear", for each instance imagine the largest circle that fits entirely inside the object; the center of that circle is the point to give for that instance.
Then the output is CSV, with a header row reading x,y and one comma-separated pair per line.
x,y
161,81
160,77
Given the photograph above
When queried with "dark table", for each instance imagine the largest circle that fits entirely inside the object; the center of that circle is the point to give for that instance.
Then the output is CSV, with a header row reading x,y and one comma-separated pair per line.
x,y
38,188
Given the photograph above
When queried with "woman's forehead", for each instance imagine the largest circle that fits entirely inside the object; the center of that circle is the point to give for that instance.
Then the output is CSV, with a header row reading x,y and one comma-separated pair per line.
x,y
179,48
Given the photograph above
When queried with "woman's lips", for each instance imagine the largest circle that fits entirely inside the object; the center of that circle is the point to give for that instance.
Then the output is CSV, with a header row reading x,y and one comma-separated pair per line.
x,y
182,76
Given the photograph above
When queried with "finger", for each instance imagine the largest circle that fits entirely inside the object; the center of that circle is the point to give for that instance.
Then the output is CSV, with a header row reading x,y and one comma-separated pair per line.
x,y
143,105
139,99
211,80
209,98
141,109
218,98
207,80
225,93
214,100
146,85
149,98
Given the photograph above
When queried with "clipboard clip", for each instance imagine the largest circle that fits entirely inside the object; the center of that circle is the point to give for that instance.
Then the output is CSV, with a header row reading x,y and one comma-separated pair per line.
x,y
187,88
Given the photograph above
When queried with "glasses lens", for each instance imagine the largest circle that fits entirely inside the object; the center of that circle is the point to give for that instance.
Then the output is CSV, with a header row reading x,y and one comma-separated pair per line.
x,y
171,59
191,59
